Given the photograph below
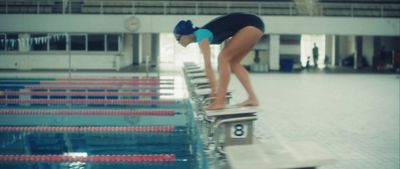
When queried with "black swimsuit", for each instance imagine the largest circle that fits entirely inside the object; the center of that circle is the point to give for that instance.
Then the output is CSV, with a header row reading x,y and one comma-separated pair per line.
x,y
226,26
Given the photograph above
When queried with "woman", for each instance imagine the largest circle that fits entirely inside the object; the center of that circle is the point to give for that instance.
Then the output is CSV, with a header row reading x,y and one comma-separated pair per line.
x,y
243,32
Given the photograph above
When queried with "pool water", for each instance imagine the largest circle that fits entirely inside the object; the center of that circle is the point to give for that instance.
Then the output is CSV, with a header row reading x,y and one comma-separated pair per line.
x,y
96,123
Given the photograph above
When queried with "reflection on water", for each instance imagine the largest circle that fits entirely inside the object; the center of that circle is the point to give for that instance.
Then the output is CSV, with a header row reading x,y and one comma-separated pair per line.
x,y
51,135
179,89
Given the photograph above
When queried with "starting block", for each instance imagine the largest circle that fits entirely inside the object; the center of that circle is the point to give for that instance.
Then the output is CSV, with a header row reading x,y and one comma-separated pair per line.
x,y
191,66
197,75
205,93
199,70
236,124
199,81
233,111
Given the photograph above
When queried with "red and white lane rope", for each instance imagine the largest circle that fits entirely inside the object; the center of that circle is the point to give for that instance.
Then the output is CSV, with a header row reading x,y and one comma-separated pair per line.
x,y
112,79
106,82
159,158
88,112
83,93
99,87
91,129
87,101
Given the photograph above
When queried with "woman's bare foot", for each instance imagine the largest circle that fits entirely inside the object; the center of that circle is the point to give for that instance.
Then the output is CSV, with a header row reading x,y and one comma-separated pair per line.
x,y
249,102
215,106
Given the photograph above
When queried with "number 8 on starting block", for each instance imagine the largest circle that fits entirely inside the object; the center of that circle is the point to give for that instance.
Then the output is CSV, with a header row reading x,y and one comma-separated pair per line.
x,y
239,133
239,130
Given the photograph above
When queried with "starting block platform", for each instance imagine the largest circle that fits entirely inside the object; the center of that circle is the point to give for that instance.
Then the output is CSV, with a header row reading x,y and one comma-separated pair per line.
x,y
197,75
278,156
199,81
233,111
207,92
194,71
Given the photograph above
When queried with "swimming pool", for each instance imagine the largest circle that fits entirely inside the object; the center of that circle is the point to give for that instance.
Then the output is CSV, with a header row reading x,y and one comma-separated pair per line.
x,y
97,123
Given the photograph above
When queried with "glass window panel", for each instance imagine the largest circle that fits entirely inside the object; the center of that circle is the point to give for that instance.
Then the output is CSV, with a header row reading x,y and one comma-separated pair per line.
x,y
96,42
112,42
12,42
78,42
39,42
58,42
2,42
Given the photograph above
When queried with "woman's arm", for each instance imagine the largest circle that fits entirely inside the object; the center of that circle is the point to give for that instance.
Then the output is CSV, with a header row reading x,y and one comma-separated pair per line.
x,y
206,51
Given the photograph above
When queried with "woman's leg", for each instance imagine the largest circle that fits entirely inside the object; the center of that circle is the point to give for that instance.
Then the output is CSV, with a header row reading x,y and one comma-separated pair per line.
x,y
237,48
243,76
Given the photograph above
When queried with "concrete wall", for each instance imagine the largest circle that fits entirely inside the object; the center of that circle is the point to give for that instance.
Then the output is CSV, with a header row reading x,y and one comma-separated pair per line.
x,y
165,23
39,60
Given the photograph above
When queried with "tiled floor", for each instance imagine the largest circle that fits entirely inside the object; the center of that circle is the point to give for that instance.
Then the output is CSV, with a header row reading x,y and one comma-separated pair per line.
x,y
354,116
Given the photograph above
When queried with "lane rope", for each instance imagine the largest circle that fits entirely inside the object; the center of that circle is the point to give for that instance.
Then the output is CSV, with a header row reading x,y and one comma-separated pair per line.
x,y
88,112
158,158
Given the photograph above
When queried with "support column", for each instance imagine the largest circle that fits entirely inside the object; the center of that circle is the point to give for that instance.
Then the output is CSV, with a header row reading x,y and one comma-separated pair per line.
x,y
358,52
274,52
333,51
368,49
146,47
155,49
136,49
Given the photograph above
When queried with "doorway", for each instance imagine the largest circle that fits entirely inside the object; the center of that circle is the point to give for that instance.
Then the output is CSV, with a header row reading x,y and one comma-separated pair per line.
x,y
307,46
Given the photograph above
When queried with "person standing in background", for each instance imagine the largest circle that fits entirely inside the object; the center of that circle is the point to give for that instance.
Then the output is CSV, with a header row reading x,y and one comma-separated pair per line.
x,y
315,55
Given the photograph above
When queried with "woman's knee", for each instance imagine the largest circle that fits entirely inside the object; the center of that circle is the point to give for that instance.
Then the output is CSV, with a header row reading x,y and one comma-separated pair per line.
x,y
225,57
235,66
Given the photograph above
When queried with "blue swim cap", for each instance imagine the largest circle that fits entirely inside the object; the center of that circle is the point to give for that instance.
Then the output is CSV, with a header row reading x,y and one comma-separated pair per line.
x,y
184,27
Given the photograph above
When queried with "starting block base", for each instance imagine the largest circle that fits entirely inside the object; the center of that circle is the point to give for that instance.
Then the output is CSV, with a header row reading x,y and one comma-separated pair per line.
x,y
237,122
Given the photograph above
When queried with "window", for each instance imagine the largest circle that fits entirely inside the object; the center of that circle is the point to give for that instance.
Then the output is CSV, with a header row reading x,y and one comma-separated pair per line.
x,y
96,42
12,42
39,42
112,42
78,42
2,42
58,42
